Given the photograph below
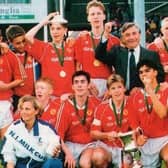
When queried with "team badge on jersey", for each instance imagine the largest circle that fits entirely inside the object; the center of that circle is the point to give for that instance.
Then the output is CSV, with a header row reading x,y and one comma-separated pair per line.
x,y
96,63
89,112
125,112
52,111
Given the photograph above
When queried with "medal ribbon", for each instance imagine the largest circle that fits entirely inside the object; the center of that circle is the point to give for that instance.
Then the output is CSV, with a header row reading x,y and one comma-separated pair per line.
x,y
60,56
148,106
25,59
118,117
25,56
81,119
165,45
93,42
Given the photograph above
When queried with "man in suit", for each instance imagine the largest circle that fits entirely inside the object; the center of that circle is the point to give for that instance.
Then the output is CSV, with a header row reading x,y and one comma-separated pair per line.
x,y
120,56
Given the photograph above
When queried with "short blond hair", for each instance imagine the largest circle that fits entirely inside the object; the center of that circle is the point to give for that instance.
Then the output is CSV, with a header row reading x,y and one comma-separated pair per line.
x,y
95,3
36,104
114,78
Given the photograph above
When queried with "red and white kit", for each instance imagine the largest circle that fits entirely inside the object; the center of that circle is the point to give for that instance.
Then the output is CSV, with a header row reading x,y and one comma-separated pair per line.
x,y
69,125
46,55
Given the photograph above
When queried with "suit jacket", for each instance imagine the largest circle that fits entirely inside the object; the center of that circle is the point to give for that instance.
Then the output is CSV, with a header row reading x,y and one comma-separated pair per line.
x,y
118,57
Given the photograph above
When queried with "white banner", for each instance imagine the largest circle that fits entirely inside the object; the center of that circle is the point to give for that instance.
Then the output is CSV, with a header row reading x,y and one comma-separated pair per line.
x,y
31,12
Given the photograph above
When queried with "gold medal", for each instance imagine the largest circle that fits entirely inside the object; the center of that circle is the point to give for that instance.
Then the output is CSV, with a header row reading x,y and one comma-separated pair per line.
x,y
96,63
62,74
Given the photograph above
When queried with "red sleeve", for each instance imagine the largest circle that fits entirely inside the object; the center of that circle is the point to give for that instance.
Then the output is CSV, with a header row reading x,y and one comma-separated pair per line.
x,y
152,46
96,101
63,120
36,49
164,97
79,49
132,112
16,66
96,124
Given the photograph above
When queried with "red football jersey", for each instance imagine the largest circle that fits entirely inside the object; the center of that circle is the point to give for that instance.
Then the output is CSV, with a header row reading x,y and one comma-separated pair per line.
x,y
152,125
10,69
85,55
50,112
69,126
28,87
51,67
105,121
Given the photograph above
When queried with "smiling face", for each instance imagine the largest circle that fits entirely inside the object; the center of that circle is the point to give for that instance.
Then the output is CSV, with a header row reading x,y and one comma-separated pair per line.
x,y
29,109
117,91
19,43
57,32
131,37
28,112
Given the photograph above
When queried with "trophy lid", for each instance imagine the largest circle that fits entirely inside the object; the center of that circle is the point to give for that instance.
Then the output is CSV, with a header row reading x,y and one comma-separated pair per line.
x,y
58,19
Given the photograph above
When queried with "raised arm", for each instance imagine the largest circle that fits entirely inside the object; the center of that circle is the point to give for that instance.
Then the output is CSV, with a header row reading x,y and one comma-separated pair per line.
x,y
159,108
101,52
18,74
7,86
32,32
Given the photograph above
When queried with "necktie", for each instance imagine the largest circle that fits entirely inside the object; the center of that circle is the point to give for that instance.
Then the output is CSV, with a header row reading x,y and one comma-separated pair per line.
x,y
131,70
